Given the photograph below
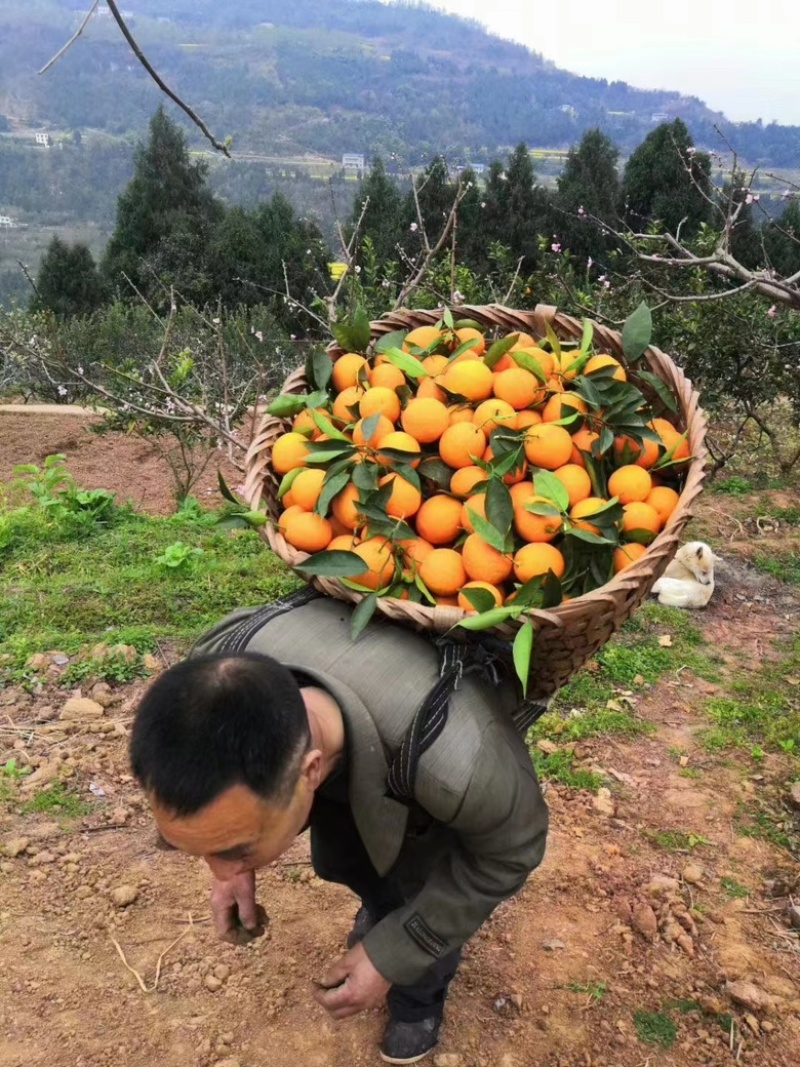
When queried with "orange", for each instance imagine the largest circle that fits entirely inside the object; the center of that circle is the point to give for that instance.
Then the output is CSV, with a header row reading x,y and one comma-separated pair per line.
x,y
308,532
464,481
536,559
630,483
460,413
342,543
382,427
346,370
348,398
435,365
582,441
596,362
530,527
664,500
548,446
405,499
526,418
345,507
414,550
400,442
377,554
421,337
304,423
290,512
461,444
387,375
669,435
470,378
306,488
505,362
469,333
465,604
429,389
575,480
545,360
525,340
439,519
517,387
447,601
590,506
476,503
562,405
481,561
442,572
339,529
640,516
425,419
516,474
493,413
625,555
380,401
289,501
627,450
289,451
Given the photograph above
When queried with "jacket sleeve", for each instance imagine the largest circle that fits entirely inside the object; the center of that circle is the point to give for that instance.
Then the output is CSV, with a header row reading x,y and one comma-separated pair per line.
x,y
500,831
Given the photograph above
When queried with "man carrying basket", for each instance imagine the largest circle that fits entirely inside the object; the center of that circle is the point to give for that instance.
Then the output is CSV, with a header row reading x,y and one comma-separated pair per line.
x,y
404,760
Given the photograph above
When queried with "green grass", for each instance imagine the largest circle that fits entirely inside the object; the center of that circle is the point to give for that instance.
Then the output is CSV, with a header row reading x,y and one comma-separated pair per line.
x,y
594,990
735,890
767,824
70,590
57,800
655,1028
784,565
675,840
557,767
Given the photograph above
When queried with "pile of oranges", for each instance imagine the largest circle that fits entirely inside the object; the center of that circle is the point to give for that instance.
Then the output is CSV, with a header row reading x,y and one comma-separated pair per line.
x,y
455,470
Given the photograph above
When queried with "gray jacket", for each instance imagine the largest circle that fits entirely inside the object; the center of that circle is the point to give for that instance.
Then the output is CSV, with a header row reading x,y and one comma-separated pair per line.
x,y
476,781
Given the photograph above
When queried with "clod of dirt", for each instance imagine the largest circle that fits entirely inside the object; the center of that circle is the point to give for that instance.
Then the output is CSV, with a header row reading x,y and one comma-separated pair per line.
x,y
663,886
554,945
603,802
124,895
149,662
79,708
750,996
212,983
692,874
102,694
448,1059
227,1063
548,747
15,846
44,773
645,922
794,796
38,661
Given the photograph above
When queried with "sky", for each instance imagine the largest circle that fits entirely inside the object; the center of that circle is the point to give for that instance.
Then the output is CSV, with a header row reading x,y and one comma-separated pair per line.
x,y
739,56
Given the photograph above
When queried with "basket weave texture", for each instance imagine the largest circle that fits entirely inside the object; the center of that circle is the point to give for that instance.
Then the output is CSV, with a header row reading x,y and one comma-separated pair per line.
x,y
566,636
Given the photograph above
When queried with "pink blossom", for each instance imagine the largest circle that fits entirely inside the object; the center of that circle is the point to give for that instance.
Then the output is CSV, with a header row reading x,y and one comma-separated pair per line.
x,y
555,246
773,311
581,211
589,263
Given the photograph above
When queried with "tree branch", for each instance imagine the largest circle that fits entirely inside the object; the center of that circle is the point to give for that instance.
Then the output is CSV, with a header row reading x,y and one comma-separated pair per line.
x,y
72,39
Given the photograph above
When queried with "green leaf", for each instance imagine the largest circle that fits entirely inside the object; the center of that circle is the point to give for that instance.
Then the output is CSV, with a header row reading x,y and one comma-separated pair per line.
x,y
588,334
326,426
332,485
254,518
539,507
407,363
318,399
499,349
418,582
468,324
390,340
321,369
232,522
225,490
641,537
487,619
490,534
551,488
661,388
286,481
667,460
363,612
499,506
588,536
333,564
398,455
447,318
288,404
580,361
410,475
465,346
552,337
355,335
436,471
481,599
522,648
637,332
551,590
531,364
365,477
606,440
328,451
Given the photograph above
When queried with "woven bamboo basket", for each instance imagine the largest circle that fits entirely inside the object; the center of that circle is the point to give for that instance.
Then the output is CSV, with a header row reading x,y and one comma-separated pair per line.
x,y
567,636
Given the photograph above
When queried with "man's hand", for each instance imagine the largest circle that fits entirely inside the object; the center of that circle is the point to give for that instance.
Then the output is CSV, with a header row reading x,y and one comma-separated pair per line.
x,y
237,917
351,985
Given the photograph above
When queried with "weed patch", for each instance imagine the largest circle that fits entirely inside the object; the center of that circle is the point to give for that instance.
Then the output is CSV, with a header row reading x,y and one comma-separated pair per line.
x,y
558,767
56,800
655,1028
785,566
675,840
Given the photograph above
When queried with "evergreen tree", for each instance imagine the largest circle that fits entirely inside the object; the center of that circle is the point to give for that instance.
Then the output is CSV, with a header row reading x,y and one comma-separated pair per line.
x,y
667,181
165,219
589,185
382,218
516,207
68,283
782,241
472,239
436,194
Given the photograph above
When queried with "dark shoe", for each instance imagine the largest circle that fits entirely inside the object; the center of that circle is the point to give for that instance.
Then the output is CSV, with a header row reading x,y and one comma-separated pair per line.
x,y
409,1042
361,927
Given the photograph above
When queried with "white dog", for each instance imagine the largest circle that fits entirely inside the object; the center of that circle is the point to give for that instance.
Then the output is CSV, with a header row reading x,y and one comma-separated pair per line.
x,y
688,581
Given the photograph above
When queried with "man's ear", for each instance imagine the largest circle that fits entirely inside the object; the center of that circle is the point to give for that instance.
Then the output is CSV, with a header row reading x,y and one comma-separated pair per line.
x,y
311,768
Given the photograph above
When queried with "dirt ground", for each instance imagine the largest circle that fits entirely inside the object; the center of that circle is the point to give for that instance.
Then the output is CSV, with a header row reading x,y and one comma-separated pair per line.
x,y
553,980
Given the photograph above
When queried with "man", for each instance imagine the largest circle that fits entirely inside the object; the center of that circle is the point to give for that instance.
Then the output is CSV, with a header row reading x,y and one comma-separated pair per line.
x,y
419,793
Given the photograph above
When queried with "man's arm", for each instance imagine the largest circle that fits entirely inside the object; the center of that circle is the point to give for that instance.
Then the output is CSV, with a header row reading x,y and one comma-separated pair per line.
x,y
501,828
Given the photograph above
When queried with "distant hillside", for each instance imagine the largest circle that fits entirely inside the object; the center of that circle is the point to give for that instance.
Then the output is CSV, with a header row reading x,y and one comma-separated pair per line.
x,y
322,77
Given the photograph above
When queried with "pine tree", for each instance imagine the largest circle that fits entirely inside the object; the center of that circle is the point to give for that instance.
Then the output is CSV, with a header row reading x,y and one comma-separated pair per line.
x,y
589,185
68,283
667,181
516,207
165,219
382,218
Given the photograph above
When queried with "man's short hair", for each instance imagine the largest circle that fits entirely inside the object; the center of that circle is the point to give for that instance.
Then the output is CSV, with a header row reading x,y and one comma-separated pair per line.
x,y
216,721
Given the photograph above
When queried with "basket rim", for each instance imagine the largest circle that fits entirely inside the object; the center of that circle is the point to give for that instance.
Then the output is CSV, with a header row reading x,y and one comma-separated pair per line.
x,y
558,617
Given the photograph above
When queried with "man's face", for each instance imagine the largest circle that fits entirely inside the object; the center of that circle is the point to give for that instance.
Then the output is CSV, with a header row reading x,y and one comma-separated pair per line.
x,y
239,831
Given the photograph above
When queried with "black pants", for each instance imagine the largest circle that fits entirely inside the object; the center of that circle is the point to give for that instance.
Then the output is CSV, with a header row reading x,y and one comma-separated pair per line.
x,y
338,855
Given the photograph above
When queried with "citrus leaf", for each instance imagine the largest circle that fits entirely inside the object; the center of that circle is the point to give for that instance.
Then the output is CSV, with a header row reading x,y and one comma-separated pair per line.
x,y
490,534
606,440
551,488
523,645
370,425
447,318
288,404
588,334
409,475
641,537
539,507
531,364
465,346
552,593
286,482
487,619
405,362
436,471
390,340
552,337
397,455
225,490
364,611
319,398
468,324
321,369
365,476
254,518
499,505
637,332
355,335
321,458
481,599
586,535
499,349
326,426
331,487
418,582
333,564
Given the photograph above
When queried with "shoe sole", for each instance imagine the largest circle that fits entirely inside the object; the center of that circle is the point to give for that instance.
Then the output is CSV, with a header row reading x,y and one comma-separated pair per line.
x,y
412,1059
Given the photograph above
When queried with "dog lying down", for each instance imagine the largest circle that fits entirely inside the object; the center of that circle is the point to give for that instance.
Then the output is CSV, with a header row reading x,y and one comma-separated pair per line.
x,y
688,581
